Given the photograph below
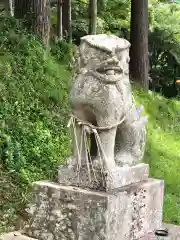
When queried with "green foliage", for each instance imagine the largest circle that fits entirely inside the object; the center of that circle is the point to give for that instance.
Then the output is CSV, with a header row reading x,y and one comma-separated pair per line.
x,y
61,50
116,15
164,42
162,149
164,37
33,106
12,200
33,115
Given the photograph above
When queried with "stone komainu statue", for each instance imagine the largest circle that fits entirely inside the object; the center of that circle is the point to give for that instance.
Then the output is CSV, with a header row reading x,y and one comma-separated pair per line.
x,y
101,95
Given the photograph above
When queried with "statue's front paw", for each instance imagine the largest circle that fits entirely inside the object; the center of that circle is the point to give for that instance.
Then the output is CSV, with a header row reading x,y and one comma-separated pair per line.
x,y
124,159
97,164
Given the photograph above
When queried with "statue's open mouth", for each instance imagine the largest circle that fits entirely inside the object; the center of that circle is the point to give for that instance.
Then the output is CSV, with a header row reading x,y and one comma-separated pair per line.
x,y
110,70
108,75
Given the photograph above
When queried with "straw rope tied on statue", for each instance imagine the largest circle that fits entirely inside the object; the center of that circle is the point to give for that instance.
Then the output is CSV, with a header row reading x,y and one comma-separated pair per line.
x,y
86,129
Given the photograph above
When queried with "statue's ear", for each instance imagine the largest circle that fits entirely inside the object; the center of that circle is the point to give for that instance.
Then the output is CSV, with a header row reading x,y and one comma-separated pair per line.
x,y
82,48
128,59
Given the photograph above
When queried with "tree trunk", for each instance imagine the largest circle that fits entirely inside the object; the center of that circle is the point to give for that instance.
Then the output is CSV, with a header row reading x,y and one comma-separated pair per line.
x,y
66,20
11,10
21,8
139,63
8,6
70,23
92,16
65,9
59,20
41,19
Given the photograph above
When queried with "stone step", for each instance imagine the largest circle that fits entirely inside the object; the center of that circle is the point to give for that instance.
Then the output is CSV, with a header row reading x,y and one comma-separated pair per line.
x,y
15,236
174,234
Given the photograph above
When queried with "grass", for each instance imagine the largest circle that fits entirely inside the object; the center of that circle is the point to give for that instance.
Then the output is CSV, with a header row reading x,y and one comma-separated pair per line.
x,y
162,149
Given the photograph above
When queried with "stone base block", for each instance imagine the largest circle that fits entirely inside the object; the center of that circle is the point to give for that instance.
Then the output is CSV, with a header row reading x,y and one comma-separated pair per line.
x,y
118,177
72,213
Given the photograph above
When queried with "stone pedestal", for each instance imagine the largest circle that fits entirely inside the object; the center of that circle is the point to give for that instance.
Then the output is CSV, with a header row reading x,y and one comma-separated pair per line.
x,y
60,212
118,177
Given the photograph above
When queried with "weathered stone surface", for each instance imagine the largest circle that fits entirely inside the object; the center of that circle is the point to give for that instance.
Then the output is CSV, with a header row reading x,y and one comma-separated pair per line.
x,y
71,213
119,176
15,236
101,96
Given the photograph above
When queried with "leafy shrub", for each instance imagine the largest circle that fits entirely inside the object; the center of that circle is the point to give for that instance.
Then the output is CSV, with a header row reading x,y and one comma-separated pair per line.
x,y
116,15
61,50
33,106
164,46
